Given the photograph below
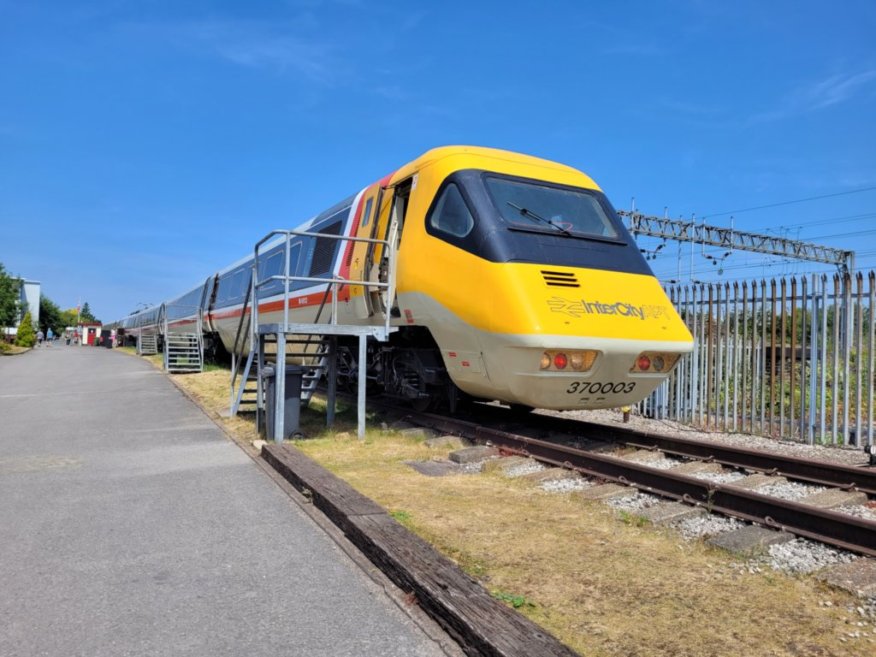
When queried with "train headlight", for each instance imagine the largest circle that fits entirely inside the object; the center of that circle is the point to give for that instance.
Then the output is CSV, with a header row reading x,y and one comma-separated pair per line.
x,y
580,361
654,362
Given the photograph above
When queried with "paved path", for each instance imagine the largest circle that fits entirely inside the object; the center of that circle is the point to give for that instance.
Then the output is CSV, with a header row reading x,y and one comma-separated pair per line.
x,y
130,525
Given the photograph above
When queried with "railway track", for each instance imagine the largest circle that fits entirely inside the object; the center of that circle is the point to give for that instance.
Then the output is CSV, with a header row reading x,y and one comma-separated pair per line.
x,y
830,527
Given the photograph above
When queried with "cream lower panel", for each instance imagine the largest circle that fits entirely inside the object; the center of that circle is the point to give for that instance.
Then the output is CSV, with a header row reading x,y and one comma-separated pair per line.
x,y
507,366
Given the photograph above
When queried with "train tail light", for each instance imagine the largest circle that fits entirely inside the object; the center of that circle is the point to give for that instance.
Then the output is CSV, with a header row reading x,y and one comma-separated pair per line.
x,y
564,361
656,362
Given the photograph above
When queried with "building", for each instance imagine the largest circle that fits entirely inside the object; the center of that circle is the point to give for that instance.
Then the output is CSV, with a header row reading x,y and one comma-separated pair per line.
x,y
28,301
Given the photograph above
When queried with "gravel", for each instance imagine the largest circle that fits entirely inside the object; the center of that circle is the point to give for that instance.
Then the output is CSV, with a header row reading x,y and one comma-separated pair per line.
x,y
566,485
706,526
719,477
661,464
789,490
859,511
635,502
802,556
523,469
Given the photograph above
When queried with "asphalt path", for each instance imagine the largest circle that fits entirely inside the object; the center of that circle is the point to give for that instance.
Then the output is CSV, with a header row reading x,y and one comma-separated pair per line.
x,y
130,525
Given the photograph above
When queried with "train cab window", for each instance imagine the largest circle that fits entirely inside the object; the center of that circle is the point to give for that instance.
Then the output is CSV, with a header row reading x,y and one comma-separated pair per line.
x,y
540,207
451,215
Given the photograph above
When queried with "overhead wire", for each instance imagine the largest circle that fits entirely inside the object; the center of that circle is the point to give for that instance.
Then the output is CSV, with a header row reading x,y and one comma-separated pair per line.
x,y
782,203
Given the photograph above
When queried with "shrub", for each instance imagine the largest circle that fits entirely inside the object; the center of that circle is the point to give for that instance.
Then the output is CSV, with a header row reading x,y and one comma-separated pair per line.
x,y
25,336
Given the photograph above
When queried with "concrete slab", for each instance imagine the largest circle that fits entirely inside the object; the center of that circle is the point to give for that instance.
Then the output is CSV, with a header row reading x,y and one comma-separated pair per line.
x,y
604,492
552,474
668,512
755,481
698,467
857,577
435,468
473,454
447,442
833,498
750,540
159,536
644,456
506,464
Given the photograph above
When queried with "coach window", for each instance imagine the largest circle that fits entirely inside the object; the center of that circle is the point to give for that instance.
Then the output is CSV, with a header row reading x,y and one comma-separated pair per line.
x,y
451,215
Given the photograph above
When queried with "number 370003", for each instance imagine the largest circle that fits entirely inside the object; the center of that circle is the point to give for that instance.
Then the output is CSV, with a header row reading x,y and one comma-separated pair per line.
x,y
597,387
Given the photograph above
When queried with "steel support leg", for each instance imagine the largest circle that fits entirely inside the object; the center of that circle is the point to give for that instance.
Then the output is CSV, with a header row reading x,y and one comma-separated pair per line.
x,y
363,354
280,389
332,394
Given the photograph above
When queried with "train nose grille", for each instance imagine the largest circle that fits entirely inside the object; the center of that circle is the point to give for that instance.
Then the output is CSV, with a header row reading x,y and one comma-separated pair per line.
x,y
560,278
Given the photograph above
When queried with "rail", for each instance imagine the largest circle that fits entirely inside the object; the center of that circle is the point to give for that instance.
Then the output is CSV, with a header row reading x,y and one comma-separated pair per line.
x,y
844,531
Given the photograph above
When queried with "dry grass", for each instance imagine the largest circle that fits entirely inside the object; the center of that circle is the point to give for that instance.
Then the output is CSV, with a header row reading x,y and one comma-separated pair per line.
x,y
9,349
601,585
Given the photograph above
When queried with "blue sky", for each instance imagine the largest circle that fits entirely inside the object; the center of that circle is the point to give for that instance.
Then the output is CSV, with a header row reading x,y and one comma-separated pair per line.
x,y
144,144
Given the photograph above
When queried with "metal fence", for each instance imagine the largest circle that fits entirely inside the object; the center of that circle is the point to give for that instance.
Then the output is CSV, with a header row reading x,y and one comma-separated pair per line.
x,y
787,358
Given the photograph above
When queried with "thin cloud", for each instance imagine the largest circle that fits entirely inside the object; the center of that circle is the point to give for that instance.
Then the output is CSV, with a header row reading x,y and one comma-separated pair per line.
x,y
250,44
835,90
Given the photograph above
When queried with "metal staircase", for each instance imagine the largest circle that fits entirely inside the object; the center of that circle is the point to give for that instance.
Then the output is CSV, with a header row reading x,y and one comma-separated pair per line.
x,y
183,352
147,344
309,345
315,364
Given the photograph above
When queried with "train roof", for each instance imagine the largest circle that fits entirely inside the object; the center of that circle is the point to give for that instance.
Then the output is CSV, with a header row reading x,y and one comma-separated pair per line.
x,y
454,158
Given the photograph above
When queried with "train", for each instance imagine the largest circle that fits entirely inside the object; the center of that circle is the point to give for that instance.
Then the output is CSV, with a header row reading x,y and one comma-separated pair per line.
x,y
514,281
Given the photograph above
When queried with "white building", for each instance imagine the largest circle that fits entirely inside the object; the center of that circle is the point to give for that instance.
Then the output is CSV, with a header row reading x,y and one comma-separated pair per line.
x,y
29,294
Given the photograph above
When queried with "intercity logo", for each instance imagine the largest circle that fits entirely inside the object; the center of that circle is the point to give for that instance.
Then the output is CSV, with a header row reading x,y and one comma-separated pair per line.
x,y
584,307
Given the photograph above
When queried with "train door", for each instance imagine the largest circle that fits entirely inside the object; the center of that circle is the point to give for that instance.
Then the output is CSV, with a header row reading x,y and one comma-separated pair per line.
x,y
360,300
379,264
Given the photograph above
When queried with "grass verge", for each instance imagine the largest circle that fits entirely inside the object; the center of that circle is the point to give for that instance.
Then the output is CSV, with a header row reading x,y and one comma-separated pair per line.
x,y
603,586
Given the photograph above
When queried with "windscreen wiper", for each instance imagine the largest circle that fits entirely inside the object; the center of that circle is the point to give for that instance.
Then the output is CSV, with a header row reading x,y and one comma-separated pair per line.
x,y
529,213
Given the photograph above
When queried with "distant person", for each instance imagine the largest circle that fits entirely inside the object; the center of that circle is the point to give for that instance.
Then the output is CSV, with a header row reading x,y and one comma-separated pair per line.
x,y
40,337
67,337
50,336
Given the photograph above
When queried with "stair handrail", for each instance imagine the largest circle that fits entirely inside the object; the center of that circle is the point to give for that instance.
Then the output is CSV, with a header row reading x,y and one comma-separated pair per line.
x,y
235,361
332,282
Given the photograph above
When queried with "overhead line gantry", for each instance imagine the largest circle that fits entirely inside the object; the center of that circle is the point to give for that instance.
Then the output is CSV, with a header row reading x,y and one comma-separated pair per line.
x,y
729,238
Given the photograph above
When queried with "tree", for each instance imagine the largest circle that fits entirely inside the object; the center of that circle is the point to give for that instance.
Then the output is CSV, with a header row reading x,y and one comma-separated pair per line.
x,y
50,316
25,336
86,316
9,291
69,317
